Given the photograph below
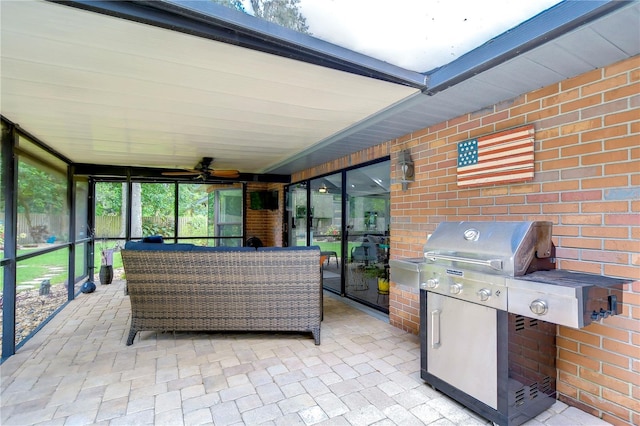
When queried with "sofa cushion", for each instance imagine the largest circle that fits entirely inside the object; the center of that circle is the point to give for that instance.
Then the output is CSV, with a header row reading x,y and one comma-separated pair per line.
x,y
139,245
289,248
221,249
153,239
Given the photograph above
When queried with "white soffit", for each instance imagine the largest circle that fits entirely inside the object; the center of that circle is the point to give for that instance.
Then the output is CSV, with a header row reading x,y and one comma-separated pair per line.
x,y
104,90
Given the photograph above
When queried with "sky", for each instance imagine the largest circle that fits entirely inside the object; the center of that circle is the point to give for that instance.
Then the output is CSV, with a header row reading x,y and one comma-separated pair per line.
x,y
418,35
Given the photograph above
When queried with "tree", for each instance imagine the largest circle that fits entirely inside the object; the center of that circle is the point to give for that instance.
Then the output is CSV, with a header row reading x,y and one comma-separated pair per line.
x,y
233,4
281,12
40,190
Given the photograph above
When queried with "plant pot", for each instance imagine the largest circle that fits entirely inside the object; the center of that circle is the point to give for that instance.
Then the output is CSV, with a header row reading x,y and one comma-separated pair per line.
x,y
106,274
383,286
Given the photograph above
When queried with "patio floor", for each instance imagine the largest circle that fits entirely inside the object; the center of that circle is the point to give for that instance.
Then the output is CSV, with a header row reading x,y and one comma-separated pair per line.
x,y
77,370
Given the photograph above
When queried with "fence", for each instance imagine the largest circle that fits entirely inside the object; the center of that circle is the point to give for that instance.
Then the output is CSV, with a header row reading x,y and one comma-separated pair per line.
x,y
43,227
46,227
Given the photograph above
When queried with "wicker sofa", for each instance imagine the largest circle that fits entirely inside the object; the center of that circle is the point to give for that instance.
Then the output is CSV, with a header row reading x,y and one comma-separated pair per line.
x,y
182,287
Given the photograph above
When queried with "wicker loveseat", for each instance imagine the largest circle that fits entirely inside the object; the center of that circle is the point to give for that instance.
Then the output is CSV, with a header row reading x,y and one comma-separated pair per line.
x,y
182,287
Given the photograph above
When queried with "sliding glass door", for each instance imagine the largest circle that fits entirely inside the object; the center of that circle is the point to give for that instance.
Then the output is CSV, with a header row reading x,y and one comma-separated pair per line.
x,y
297,214
326,227
346,214
368,217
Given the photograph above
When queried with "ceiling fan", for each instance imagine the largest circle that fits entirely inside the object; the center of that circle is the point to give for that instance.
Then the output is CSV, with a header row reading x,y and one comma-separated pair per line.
x,y
203,170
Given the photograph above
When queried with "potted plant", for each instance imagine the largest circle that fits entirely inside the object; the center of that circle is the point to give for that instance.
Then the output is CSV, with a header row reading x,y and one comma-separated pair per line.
x,y
378,272
106,264
382,276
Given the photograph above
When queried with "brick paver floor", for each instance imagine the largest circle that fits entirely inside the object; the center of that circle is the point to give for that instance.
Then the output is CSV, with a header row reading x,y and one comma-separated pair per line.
x,y
77,370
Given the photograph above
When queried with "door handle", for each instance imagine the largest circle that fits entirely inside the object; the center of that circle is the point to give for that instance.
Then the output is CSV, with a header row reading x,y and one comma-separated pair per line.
x,y
492,263
435,329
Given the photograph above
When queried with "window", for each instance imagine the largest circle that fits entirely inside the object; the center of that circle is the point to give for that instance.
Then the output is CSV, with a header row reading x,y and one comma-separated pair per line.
x,y
210,214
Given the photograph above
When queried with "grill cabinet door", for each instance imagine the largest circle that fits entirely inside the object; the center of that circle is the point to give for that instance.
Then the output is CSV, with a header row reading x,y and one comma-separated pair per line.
x,y
462,346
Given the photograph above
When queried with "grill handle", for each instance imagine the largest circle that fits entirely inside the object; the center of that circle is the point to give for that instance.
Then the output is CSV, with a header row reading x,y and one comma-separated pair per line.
x,y
435,329
492,263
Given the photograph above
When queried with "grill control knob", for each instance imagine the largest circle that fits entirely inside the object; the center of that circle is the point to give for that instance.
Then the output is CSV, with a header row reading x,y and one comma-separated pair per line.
x,y
484,294
432,282
455,288
539,307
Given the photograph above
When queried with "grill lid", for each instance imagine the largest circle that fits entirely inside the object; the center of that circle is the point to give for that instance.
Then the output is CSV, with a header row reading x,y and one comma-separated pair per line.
x,y
504,248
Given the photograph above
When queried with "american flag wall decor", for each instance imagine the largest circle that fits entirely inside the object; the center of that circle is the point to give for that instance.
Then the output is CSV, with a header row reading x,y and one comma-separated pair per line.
x,y
497,158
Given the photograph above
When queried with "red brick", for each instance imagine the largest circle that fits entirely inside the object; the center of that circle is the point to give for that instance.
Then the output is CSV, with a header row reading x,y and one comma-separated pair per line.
x,y
560,186
581,149
572,231
566,253
577,359
622,219
605,232
599,329
561,208
525,209
603,380
604,85
605,207
582,196
621,168
544,92
567,344
495,210
605,157
525,108
604,356
559,142
588,267
582,172
579,336
632,272
621,117
629,141
622,92
512,200
496,117
581,80
581,219
581,126
581,103
580,384
561,164
622,67
581,243
543,198
605,256
621,399
602,404
622,245
605,182
536,116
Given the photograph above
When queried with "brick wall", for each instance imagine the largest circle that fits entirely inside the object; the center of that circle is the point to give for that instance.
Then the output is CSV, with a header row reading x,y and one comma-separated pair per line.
x,y
587,182
265,224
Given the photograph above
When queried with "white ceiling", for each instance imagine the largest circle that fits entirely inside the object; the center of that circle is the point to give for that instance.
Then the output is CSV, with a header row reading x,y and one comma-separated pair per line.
x,y
104,90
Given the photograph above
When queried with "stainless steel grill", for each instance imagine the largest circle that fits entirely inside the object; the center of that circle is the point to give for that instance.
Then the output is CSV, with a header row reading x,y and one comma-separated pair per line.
x,y
490,299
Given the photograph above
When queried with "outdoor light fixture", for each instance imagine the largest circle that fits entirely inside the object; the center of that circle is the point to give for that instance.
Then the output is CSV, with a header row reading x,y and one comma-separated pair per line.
x,y
405,165
323,189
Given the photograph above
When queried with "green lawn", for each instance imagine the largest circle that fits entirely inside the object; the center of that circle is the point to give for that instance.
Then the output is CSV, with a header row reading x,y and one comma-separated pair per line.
x,y
52,266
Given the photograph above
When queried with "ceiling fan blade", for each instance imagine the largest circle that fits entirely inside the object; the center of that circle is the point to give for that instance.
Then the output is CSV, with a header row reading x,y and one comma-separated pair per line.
x,y
225,173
